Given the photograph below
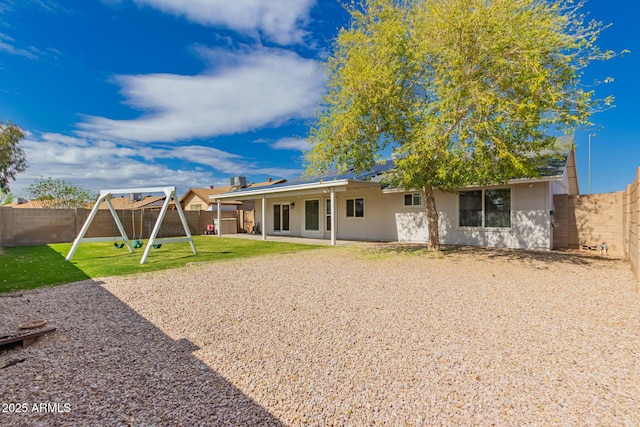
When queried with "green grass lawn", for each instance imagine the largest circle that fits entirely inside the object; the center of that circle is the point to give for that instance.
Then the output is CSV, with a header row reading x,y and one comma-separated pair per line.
x,y
29,267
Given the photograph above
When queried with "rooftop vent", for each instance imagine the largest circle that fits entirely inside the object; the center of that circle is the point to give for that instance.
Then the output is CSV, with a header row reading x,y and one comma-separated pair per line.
x,y
239,181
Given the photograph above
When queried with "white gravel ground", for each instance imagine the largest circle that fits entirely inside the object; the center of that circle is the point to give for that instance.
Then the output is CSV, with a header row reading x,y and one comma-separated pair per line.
x,y
335,337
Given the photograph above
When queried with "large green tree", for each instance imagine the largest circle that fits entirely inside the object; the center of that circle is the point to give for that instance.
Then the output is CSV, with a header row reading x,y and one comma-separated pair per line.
x,y
57,193
12,157
460,92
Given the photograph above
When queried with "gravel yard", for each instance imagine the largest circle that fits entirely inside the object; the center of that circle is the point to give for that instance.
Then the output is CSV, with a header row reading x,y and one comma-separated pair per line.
x,y
338,336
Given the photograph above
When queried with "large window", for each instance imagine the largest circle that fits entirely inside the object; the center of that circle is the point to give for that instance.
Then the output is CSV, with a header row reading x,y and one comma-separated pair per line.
x,y
497,208
312,215
355,208
485,208
470,208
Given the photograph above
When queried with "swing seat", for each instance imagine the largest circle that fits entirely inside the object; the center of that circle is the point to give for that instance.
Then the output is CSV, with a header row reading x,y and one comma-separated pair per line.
x,y
118,246
157,246
137,244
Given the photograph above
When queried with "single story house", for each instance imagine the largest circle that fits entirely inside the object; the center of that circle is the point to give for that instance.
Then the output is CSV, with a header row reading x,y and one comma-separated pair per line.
x,y
350,206
197,199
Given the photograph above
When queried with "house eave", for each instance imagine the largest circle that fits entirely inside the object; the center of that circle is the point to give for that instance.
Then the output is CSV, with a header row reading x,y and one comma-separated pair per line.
x,y
308,187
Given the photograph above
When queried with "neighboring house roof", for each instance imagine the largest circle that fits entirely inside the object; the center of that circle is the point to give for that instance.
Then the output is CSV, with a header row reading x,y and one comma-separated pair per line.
x,y
32,204
554,170
207,194
38,204
124,202
204,193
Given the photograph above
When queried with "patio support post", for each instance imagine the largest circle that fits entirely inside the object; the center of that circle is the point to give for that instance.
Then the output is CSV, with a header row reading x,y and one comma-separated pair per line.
x,y
219,230
264,216
333,216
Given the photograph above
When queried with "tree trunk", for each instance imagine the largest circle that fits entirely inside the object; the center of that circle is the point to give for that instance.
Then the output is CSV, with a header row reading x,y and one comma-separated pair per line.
x,y
432,219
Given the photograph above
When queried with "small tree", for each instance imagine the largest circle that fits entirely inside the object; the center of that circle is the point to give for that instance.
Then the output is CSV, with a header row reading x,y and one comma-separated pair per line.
x,y
461,92
12,157
6,198
59,194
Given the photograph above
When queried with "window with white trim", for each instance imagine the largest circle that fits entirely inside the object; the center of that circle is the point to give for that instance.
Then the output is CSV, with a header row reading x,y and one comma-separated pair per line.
x,y
312,215
355,207
414,199
489,208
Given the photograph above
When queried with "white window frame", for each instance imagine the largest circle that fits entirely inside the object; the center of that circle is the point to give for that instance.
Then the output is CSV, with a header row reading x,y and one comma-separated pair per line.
x,y
483,226
364,208
281,204
413,198
304,216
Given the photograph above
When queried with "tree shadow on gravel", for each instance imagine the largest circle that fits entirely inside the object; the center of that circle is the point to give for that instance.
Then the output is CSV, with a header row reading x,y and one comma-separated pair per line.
x,y
575,257
113,367
549,257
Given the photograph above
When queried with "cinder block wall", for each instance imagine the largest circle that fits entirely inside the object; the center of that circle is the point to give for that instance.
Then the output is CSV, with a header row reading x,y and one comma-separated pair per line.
x,y
563,219
632,226
23,227
589,219
20,227
599,218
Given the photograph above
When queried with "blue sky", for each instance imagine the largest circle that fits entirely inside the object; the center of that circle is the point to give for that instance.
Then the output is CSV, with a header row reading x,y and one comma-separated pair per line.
x,y
131,93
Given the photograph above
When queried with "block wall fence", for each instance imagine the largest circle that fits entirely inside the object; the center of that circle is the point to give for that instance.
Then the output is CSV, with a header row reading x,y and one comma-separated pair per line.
x,y
590,219
632,225
23,227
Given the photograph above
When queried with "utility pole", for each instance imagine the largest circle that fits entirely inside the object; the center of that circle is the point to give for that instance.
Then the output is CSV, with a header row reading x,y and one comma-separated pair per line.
x,y
590,135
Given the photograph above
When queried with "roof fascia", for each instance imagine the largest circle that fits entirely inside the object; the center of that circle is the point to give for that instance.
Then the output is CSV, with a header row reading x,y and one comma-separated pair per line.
x,y
292,188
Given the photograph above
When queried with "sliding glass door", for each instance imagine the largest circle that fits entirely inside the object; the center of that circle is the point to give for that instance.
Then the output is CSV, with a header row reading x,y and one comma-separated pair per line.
x,y
281,217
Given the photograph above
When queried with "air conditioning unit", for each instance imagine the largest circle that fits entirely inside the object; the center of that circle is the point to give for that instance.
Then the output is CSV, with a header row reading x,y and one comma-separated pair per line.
x,y
239,181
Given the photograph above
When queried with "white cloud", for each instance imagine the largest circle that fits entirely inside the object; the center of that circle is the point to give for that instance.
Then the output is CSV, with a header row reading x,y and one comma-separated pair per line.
x,y
7,45
59,138
248,91
228,163
296,144
102,164
99,164
5,6
280,21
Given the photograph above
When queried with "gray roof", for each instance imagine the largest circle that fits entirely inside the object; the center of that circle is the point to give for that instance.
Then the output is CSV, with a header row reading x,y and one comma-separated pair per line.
x,y
554,167
373,175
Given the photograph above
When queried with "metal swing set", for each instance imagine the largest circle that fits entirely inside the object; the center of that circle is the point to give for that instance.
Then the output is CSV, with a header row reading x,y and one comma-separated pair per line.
x,y
154,241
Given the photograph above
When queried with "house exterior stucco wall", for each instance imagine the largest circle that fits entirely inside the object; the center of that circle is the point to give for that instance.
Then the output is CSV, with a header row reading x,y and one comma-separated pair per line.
x,y
530,221
386,218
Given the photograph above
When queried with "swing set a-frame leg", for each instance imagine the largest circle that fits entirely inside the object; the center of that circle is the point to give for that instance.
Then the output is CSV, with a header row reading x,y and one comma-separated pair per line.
x,y
80,238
